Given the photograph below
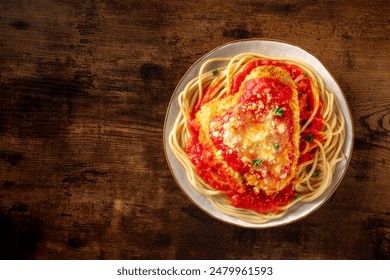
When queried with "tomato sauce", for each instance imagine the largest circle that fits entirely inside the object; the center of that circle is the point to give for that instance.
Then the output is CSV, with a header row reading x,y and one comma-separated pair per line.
x,y
213,173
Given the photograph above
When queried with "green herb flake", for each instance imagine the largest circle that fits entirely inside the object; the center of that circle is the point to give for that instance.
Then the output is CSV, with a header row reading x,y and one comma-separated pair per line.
x,y
278,112
315,173
257,162
215,72
276,146
305,75
309,138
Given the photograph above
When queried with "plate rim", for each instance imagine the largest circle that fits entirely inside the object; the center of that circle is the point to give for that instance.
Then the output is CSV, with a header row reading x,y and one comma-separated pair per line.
x,y
346,114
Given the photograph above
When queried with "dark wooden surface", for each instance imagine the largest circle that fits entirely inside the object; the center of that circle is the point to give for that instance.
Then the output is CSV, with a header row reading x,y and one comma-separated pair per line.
x,y
84,87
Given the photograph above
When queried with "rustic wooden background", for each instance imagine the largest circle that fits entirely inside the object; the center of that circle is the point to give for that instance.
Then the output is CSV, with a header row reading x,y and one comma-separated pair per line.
x,y
84,88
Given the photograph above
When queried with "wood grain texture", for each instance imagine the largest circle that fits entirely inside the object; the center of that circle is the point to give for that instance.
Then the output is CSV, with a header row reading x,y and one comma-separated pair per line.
x,y
84,87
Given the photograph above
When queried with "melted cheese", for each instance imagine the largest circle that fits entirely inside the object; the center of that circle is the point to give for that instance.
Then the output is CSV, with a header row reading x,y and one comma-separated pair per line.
x,y
252,141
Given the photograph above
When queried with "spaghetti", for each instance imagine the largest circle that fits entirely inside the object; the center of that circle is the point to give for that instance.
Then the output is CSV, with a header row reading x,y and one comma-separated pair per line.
x,y
258,135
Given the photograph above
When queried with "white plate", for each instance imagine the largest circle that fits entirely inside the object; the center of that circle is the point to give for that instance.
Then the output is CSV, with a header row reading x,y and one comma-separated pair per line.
x,y
275,49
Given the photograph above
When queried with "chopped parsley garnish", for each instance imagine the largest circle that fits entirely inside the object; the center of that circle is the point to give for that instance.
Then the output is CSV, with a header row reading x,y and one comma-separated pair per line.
x,y
278,112
315,173
309,138
215,71
305,75
257,162
276,146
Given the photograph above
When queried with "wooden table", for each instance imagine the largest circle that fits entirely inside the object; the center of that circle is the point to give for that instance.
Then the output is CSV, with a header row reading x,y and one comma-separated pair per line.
x,y
84,89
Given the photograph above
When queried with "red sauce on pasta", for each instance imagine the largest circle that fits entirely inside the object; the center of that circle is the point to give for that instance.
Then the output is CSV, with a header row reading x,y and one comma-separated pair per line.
x,y
212,171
